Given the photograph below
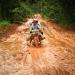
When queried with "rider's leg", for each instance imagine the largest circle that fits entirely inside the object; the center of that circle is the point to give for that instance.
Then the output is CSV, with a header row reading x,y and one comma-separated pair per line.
x,y
31,38
41,37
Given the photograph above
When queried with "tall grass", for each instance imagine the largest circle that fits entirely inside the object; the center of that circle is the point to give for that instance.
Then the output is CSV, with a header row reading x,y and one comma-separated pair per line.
x,y
4,23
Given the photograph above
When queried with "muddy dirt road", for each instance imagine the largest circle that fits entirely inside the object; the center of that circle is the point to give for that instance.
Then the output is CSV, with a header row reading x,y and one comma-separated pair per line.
x,y
55,57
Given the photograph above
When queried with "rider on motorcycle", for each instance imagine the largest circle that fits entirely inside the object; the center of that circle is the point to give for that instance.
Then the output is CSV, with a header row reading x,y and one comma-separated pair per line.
x,y
35,26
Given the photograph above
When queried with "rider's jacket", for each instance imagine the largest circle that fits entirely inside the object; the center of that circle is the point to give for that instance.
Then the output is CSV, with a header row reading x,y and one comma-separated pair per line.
x,y
33,27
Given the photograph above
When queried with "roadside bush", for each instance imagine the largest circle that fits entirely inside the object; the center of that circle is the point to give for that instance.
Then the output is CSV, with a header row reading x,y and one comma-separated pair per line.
x,y
4,23
21,12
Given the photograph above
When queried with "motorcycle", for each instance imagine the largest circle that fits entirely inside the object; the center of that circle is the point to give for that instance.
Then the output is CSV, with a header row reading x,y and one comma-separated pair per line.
x,y
36,38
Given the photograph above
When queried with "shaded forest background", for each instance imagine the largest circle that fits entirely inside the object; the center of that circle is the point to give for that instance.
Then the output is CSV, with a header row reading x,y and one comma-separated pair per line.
x,y
61,11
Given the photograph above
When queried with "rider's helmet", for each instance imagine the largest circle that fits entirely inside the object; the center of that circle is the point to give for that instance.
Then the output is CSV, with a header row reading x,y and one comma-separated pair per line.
x,y
35,21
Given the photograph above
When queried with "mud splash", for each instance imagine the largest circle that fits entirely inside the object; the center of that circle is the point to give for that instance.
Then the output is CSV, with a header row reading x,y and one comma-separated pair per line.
x,y
55,57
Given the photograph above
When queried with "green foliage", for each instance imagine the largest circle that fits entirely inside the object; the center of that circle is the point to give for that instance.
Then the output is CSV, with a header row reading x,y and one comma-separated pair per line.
x,y
62,11
4,23
21,12
53,10
6,6
56,10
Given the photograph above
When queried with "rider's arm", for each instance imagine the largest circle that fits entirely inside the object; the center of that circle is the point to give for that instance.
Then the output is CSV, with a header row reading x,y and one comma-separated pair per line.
x,y
41,29
30,28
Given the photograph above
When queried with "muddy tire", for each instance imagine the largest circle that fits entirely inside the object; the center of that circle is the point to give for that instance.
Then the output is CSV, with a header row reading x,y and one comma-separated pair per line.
x,y
36,41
